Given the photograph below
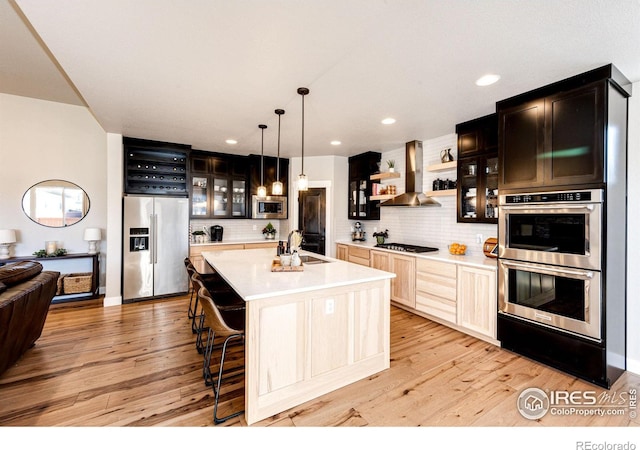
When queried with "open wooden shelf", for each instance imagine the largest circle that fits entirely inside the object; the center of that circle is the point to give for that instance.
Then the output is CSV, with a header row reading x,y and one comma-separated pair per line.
x,y
384,175
441,193
382,197
442,166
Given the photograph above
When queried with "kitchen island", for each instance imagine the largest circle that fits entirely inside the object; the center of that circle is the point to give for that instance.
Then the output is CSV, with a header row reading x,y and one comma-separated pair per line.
x,y
307,332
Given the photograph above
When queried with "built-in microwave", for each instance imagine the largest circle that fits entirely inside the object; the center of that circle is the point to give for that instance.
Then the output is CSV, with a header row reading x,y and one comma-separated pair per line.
x,y
270,207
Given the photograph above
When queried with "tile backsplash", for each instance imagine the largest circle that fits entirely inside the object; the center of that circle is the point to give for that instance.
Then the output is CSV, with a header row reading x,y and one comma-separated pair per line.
x,y
242,229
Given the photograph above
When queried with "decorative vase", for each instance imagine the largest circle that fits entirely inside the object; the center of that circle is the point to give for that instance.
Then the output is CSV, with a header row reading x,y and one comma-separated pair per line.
x,y
269,235
392,169
380,239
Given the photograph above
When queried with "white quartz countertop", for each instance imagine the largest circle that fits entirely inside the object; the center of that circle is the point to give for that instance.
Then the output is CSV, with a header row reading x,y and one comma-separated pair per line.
x,y
249,273
481,261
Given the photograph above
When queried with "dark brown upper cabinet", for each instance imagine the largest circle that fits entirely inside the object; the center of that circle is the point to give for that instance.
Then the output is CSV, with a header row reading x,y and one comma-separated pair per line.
x,y
218,185
556,136
477,136
361,167
478,170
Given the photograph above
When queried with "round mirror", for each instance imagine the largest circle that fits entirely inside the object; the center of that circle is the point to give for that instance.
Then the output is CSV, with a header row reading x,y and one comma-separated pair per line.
x,y
55,203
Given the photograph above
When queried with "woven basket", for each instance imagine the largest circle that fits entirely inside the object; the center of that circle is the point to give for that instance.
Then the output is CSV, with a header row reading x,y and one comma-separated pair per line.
x,y
60,286
76,283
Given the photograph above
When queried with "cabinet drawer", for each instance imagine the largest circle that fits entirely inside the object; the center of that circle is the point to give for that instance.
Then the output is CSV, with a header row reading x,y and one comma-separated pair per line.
x,y
436,306
358,260
436,268
436,285
359,255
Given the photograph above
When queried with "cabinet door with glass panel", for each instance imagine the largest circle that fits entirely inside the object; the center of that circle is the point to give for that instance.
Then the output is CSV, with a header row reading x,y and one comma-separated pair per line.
x,y
478,189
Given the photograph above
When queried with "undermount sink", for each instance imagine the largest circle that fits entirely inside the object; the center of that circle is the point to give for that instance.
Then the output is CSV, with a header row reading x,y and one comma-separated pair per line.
x,y
308,259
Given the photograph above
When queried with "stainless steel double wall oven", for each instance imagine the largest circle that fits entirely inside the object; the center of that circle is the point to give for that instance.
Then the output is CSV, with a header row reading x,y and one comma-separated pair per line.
x,y
550,259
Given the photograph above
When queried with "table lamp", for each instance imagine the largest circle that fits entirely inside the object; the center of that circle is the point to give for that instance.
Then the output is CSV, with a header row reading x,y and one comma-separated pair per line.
x,y
93,235
7,237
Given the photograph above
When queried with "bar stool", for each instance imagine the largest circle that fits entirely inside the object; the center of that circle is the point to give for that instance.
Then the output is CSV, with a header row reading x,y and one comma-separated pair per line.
x,y
225,299
190,269
228,324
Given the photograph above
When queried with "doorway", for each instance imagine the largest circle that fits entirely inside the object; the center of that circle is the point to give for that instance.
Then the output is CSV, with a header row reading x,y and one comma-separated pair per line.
x,y
312,212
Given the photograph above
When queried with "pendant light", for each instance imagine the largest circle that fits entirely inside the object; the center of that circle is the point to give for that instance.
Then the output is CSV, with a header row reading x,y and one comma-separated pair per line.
x,y
303,183
262,189
276,188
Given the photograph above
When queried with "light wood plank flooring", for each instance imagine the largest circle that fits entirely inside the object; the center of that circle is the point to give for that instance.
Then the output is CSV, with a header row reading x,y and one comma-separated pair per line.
x,y
136,365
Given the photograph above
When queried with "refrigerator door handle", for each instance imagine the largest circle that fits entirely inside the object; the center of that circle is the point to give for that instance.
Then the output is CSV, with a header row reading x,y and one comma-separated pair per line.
x,y
155,238
152,238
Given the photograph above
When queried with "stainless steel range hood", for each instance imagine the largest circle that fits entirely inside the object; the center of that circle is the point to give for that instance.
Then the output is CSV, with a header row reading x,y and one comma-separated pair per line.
x,y
413,195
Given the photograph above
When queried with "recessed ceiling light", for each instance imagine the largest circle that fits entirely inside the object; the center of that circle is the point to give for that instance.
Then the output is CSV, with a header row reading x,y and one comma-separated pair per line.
x,y
488,79
336,142
388,121
231,141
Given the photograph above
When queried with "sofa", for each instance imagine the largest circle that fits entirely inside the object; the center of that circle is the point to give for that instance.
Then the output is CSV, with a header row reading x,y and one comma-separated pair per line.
x,y
26,292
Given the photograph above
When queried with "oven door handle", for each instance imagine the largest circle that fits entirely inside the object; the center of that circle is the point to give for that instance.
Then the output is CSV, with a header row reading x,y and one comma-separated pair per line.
x,y
538,207
571,273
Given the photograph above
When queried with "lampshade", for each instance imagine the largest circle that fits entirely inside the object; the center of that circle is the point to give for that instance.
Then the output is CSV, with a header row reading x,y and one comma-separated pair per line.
x,y
262,189
276,187
7,236
92,234
303,183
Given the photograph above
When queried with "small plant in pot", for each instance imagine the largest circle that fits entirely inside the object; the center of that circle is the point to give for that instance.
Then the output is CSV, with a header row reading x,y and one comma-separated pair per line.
x,y
381,236
391,163
269,231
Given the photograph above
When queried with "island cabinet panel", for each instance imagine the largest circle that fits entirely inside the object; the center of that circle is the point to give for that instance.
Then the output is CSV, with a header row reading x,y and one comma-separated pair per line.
x,y
281,348
436,289
300,346
330,328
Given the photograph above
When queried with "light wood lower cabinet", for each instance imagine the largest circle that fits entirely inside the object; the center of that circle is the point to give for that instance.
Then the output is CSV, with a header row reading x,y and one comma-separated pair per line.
x,y
477,307
403,286
460,296
436,290
342,252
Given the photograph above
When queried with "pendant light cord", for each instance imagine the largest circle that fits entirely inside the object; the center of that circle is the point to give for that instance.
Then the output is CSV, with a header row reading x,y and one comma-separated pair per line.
x,y
303,133
262,158
278,159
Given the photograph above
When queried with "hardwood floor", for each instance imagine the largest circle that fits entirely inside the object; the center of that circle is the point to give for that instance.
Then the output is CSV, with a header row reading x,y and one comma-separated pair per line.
x,y
136,365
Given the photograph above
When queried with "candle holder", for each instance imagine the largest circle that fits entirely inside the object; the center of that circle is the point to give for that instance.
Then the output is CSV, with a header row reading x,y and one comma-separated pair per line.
x,y
51,247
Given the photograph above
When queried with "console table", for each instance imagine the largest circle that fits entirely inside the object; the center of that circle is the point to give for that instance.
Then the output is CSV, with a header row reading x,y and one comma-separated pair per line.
x,y
63,264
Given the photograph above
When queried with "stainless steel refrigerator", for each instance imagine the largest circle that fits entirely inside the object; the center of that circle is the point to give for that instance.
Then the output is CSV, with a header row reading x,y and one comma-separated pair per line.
x,y
155,244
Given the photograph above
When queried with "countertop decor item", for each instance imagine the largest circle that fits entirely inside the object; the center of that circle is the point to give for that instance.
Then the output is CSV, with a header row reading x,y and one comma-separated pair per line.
x,y
42,253
269,231
381,236
391,163
7,237
93,236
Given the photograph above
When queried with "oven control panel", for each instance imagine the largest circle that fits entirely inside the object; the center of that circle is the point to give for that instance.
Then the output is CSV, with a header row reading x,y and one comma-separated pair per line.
x,y
553,197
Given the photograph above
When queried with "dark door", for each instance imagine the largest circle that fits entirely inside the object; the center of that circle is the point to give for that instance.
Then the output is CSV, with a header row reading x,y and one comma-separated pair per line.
x,y
312,205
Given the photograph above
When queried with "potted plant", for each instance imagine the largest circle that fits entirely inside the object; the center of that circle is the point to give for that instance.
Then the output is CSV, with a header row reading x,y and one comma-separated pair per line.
x,y
391,163
269,231
381,236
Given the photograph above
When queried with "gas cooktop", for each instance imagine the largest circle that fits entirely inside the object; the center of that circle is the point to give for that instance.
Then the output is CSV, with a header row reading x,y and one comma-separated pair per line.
x,y
407,248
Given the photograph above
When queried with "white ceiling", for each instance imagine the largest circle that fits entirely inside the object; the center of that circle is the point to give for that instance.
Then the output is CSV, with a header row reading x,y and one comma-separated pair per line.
x,y
202,71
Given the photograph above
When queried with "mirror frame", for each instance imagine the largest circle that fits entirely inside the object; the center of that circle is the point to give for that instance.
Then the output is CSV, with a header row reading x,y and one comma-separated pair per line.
x,y
62,184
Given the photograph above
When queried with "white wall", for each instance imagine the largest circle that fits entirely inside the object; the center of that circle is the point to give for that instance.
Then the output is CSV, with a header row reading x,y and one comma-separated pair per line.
x,y
633,239
41,140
